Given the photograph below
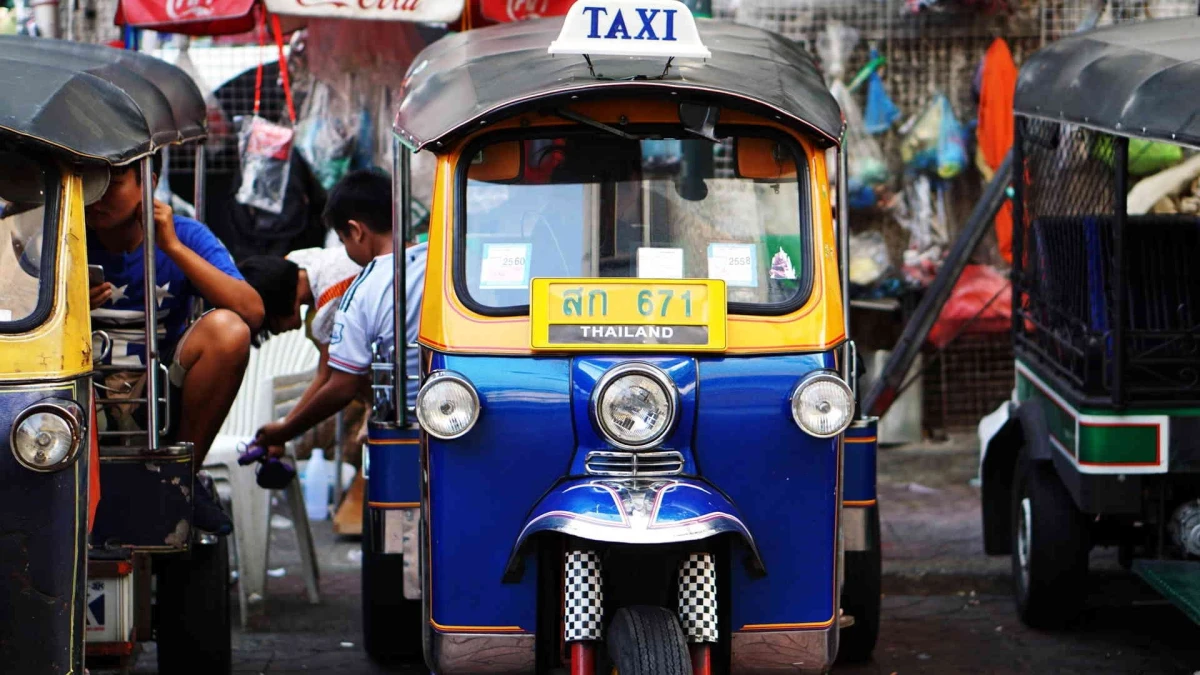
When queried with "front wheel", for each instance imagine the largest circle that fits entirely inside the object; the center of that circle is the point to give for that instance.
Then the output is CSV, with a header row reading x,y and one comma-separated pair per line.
x,y
193,631
391,624
861,596
645,640
1050,548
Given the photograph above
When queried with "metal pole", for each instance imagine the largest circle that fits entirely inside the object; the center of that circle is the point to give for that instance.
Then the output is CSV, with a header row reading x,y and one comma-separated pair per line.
x,y
843,234
401,224
150,290
198,193
1121,158
1018,227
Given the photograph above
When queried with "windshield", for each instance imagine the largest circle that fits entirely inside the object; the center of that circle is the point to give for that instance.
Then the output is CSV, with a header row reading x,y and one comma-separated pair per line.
x,y
597,204
25,222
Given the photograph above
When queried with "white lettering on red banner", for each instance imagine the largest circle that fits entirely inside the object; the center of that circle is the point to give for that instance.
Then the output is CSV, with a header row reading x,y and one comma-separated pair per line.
x,y
425,11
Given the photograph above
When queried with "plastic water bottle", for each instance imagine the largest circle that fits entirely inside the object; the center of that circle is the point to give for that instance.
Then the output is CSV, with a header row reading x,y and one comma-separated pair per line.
x,y
316,486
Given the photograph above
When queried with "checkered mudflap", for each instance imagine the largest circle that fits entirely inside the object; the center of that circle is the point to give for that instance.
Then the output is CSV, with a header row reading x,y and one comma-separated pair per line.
x,y
584,619
698,597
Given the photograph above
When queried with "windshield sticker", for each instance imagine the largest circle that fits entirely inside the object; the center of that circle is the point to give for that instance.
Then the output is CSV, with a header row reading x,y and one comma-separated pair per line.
x,y
5,315
504,266
660,263
735,263
781,266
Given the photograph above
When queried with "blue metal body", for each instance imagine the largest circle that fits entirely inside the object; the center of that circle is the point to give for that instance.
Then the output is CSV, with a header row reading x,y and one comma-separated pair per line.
x,y
394,461
519,472
858,472
43,544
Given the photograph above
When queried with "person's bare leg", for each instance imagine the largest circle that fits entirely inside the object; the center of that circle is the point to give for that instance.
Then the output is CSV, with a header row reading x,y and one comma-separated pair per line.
x,y
215,355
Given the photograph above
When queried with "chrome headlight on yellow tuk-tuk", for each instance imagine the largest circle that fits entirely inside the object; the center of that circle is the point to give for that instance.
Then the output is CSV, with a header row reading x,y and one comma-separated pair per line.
x,y
447,405
47,435
823,405
634,405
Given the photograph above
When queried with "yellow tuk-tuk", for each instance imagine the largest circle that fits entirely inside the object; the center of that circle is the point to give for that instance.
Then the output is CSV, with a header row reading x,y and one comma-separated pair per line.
x,y
76,565
636,419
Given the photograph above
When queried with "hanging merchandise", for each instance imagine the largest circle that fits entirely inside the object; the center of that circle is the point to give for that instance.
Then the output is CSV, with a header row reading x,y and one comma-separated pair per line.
x,y
834,47
881,112
868,258
867,166
934,142
265,148
324,138
997,82
1145,157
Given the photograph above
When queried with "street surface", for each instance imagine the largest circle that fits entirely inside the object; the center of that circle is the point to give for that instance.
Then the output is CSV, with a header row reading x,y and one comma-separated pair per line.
x,y
946,606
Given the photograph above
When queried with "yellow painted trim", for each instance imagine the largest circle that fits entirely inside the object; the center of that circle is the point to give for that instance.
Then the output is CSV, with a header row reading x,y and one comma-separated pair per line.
x,y
476,629
394,505
396,441
60,348
447,325
785,626
860,503
851,440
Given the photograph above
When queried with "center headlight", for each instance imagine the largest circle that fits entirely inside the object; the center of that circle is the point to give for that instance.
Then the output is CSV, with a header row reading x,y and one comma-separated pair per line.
x,y
47,435
823,405
634,405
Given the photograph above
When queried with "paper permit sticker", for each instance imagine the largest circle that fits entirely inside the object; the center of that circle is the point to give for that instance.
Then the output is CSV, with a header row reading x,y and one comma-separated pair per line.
x,y
735,263
781,266
504,266
660,263
652,28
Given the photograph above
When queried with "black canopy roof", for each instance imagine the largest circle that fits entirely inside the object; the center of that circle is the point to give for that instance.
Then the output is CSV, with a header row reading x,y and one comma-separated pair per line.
x,y
1136,79
478,75
94,101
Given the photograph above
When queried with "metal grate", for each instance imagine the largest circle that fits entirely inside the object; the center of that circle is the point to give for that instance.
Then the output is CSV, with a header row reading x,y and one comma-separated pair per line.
x,y
966,381
1075,313
633,464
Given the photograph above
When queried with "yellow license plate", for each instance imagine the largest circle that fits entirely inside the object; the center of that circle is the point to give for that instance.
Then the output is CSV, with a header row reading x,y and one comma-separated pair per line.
x,y
627,314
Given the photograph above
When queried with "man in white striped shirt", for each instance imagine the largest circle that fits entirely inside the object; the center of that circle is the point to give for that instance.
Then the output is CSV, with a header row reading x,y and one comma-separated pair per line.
x,y
359,209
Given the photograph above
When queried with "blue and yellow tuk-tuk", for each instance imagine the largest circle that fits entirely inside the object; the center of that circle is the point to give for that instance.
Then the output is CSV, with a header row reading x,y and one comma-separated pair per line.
x,y
77,566
635,421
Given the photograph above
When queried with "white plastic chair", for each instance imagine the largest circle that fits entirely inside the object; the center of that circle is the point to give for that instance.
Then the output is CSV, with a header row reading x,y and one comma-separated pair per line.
x,y
277,375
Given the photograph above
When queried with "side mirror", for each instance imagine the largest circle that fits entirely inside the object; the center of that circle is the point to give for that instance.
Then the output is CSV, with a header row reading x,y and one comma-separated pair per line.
x,y
763,159
498,163
95,182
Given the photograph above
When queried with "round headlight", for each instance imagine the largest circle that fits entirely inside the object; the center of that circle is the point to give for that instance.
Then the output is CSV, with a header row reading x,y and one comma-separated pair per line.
x,y
823,405
47,436
447,405
634,405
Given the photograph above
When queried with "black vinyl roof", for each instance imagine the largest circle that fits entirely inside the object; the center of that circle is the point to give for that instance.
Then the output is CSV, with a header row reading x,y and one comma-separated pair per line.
x,y
1139,79
94,101
477,76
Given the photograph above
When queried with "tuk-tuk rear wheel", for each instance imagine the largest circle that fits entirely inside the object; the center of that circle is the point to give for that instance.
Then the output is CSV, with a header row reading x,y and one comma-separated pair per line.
x,y
1049,550
192,622
861,597
644,640
391,624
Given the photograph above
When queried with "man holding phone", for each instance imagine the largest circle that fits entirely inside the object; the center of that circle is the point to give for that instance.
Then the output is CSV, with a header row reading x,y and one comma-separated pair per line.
x,y
207,359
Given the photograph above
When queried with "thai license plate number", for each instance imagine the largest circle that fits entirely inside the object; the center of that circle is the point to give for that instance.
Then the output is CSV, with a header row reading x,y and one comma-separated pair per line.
x,y
628,314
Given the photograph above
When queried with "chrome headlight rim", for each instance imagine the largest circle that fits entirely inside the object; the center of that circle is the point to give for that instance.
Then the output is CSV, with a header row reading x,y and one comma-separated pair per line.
x,y
813,378
458,378
67,410
653,372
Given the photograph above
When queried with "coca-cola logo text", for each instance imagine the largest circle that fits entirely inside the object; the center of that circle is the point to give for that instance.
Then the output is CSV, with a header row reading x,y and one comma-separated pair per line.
x,y
183,10
365,5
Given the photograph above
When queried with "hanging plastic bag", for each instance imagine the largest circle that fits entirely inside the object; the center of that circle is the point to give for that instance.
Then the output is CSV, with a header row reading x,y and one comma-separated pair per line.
x,y
881,112
323,138
951,147
834,47
867,166
918,146
265,148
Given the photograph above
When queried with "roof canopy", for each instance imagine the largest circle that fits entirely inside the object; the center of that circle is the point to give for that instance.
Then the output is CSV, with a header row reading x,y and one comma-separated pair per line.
x,y
1135,79
480,75
95,102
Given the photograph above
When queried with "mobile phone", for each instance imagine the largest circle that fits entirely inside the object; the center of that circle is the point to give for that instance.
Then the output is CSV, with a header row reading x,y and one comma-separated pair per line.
x,y
95,275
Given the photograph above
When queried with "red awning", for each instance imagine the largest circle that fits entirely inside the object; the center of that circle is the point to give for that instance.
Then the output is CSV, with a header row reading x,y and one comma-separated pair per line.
x,y
505,11
188,17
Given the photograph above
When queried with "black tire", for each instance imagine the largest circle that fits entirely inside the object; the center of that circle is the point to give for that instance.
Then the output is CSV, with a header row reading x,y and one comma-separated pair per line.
x,y
193,627
644,640
391,624
1049,548
861,597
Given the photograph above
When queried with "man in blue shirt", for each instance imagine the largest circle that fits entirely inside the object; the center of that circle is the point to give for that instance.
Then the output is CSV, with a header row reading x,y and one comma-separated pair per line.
x,y
207,359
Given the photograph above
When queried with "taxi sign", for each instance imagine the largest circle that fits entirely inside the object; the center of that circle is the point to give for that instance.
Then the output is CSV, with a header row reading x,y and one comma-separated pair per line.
x,y
661,28
627,314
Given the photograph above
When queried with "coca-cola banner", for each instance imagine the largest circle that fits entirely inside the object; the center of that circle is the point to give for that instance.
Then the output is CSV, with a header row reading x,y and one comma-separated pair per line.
x,y
188,17
424,11
505,11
